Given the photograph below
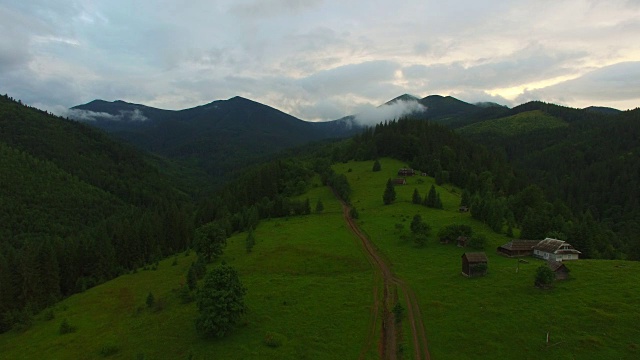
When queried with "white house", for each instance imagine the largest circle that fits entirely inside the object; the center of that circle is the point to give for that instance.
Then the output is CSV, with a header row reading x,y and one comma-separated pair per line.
x,y
554,249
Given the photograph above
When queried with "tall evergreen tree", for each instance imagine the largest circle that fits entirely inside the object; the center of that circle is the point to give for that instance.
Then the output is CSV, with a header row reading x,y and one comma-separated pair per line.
x,y
376,166
389,195
250,241
432,198
416,198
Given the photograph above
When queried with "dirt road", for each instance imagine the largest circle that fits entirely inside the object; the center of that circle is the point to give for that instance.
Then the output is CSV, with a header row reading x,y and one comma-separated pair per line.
x,y
383,305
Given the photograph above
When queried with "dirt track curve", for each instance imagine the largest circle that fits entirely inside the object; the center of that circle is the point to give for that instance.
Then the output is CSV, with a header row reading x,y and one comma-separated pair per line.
x,y
391,285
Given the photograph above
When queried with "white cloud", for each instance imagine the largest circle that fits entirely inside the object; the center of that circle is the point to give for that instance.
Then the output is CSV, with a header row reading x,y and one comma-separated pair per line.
x,y
318,59
395,110
91,116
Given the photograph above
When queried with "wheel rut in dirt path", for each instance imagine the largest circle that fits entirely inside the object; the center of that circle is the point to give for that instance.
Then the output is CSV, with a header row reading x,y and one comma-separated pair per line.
x,y
388,346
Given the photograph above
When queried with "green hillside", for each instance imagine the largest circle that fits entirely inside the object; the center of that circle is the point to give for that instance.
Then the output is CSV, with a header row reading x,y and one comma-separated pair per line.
x,y
77,209
309,282
311,286
501,315
519,124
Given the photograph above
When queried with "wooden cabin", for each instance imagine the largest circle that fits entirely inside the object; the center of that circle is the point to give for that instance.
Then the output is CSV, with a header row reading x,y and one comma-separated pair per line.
x,y
518,248
558,268
400,181
474,264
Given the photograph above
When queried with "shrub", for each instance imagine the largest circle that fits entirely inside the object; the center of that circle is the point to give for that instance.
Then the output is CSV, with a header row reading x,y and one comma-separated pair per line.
x,y
66,328
150,300
273,339
108,350
544,277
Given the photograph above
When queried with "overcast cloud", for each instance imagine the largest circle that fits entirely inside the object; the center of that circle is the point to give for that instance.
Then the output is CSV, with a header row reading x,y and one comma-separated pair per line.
x,y
319,60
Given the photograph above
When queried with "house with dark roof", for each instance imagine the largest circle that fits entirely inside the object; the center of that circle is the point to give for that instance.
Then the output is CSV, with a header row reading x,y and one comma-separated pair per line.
x,y
518,248
554,249
406,172
559,269
474,264
400,181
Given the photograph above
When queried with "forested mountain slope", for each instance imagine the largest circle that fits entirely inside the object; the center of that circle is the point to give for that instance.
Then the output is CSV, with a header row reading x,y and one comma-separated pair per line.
x,y
77,208
219,137
588,160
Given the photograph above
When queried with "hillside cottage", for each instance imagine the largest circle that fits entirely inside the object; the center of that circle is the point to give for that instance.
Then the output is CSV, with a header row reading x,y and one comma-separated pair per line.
x,y
518,248
400,181
474,264
406,172
559,269
554,249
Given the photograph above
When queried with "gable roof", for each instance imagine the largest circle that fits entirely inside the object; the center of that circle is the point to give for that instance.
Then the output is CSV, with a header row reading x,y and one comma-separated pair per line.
x,y
555,246
520,245
479,257
555,265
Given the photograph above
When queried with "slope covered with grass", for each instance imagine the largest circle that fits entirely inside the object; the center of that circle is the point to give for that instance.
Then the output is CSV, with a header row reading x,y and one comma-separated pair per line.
x,y
501,316
308,283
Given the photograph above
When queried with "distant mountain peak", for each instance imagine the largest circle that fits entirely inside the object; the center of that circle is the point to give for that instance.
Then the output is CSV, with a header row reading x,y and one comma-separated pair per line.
x,y
403,97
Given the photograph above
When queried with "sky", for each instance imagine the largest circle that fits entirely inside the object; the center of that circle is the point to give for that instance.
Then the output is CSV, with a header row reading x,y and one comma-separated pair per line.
x,y
319,59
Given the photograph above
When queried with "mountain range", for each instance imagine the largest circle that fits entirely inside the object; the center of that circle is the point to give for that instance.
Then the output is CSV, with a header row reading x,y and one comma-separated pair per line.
x,y
224,135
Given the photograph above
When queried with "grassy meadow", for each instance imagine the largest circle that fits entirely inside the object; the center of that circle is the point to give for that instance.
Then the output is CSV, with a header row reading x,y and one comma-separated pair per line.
x,y
308,283
594,315
311,287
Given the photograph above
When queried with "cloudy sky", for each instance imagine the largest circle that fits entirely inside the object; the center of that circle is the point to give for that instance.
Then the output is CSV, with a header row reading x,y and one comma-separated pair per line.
x,y
319,59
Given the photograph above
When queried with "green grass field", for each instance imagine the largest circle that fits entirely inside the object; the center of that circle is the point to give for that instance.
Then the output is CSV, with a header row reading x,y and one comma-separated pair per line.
x,y
594,315
307,281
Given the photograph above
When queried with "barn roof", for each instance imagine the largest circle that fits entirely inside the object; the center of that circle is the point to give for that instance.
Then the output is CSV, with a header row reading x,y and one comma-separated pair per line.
x,y
555,265
554,246
520,245
479,257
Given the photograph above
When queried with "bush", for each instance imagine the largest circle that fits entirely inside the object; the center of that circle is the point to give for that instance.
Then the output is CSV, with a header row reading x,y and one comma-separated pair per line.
x,y
108,350
220,302
66,328
48,315
273,339
477,241
150,300
544,277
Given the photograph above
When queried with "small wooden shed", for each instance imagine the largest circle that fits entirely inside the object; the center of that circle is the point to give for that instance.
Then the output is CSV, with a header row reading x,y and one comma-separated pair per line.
x,y
400,181
558,268
474,264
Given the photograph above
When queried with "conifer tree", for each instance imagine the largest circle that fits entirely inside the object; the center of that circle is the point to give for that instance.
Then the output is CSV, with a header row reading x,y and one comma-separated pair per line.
x,y
416,198
250,241
438,204
376,166
431,199
389,195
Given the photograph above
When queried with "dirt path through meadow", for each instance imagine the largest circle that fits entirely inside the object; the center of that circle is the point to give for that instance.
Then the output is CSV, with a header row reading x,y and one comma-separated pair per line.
x,y
391,285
